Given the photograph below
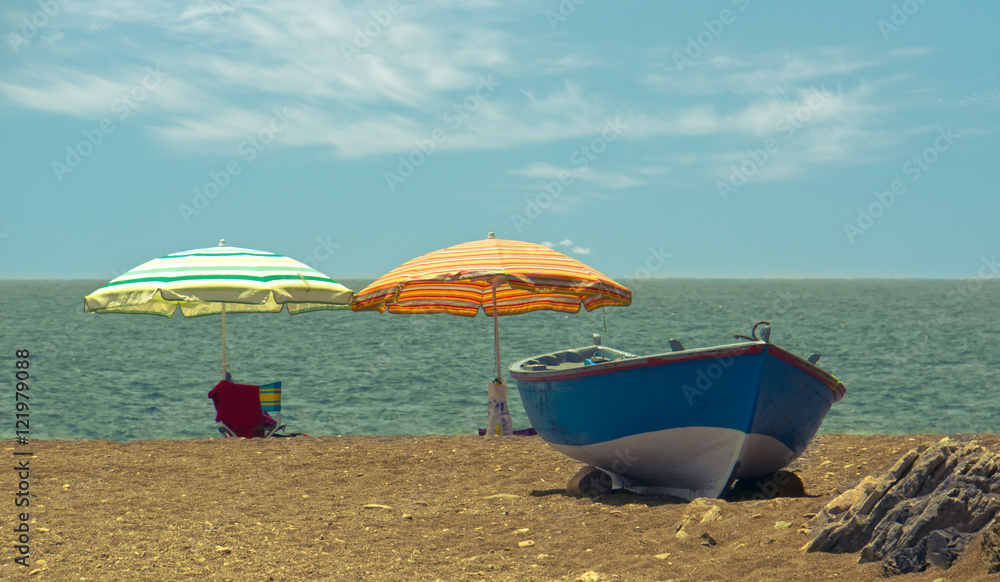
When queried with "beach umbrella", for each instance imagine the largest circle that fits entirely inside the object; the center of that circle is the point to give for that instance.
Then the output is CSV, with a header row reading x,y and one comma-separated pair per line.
x,y
501,277
221,279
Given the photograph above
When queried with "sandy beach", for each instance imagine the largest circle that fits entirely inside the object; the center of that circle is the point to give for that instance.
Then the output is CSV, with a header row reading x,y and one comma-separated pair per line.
x,y
409,508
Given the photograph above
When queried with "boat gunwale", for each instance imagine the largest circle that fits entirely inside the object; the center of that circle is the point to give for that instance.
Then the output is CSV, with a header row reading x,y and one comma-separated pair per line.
x,y
740,349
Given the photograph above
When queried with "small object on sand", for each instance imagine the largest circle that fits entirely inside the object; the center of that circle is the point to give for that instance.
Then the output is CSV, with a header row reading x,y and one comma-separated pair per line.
x,y
376,506
526,544
707,539
782,524
589,481
777,484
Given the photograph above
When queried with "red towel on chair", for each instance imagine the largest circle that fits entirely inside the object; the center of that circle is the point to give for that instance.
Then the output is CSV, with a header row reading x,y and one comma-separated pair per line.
x,y
238,405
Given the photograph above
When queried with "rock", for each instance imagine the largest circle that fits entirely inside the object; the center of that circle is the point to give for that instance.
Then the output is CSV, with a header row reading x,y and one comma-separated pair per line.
x,y
777,484
502,496
845,501
589,481
713,514
526,544
923,512
590,577
662,556
708,540
991,547
376,506
681,534
782,524
701,511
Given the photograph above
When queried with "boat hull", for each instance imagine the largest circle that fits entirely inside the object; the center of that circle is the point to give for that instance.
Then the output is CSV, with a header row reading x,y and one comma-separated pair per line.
x,y
687,423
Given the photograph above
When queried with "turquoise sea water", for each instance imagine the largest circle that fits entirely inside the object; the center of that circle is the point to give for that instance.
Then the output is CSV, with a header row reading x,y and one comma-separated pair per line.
x,y
915,356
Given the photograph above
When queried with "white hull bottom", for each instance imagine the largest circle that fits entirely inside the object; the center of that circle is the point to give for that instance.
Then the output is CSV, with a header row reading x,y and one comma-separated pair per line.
x,y
763,455
687,462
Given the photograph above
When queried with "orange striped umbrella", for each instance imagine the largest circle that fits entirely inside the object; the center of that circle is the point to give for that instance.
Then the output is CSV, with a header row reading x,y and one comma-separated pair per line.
x,y
503,277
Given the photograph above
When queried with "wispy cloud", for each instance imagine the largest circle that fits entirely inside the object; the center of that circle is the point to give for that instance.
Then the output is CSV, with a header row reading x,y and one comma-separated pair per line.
x,y
568,244
366,86
611,180
772,73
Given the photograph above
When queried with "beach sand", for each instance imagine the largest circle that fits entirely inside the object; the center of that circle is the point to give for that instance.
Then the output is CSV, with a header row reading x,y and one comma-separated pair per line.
x,y
409,508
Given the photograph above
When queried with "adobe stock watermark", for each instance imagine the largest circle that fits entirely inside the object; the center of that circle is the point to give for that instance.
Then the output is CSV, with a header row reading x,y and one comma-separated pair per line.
x,y
563,11
455,117
655,261
706,376
711,31
967,290
248,149
322,252
757,158
915,168
900,15
582,158
363,36
30,27
124,105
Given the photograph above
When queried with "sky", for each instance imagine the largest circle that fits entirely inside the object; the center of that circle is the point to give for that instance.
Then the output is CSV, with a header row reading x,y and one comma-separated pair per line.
x,y
731,138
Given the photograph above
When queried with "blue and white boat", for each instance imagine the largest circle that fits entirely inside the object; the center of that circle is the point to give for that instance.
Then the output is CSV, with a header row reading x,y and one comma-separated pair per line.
x,y
686,423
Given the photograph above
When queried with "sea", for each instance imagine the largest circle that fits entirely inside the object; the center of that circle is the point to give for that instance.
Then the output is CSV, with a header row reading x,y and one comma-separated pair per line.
x,y
916,356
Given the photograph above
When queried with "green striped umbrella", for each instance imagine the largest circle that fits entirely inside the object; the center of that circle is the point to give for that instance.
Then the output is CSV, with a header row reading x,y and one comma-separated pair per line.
x,y
219,280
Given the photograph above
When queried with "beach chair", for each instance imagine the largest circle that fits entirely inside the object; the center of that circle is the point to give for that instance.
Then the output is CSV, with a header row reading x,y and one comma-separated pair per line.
x,y
240,408
270,404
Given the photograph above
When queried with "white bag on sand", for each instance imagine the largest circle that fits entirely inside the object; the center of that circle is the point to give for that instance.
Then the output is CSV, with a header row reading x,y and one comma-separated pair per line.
x,y
498,421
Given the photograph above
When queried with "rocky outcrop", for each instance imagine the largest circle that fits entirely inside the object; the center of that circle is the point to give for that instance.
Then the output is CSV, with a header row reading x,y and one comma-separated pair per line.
x,y
991,547
923,512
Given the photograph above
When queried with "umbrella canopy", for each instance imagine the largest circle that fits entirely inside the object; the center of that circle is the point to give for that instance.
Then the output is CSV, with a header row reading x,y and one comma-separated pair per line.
x,y
216,279
503,277
219,280
461,280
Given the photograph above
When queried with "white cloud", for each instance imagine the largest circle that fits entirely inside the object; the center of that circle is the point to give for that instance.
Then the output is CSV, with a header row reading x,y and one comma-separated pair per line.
x,y
576,249
772,73
544,171
230,65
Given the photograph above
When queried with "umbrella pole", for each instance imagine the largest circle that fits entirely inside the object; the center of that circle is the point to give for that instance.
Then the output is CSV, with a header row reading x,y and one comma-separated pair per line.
x,y
498,418
496,337
225,366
